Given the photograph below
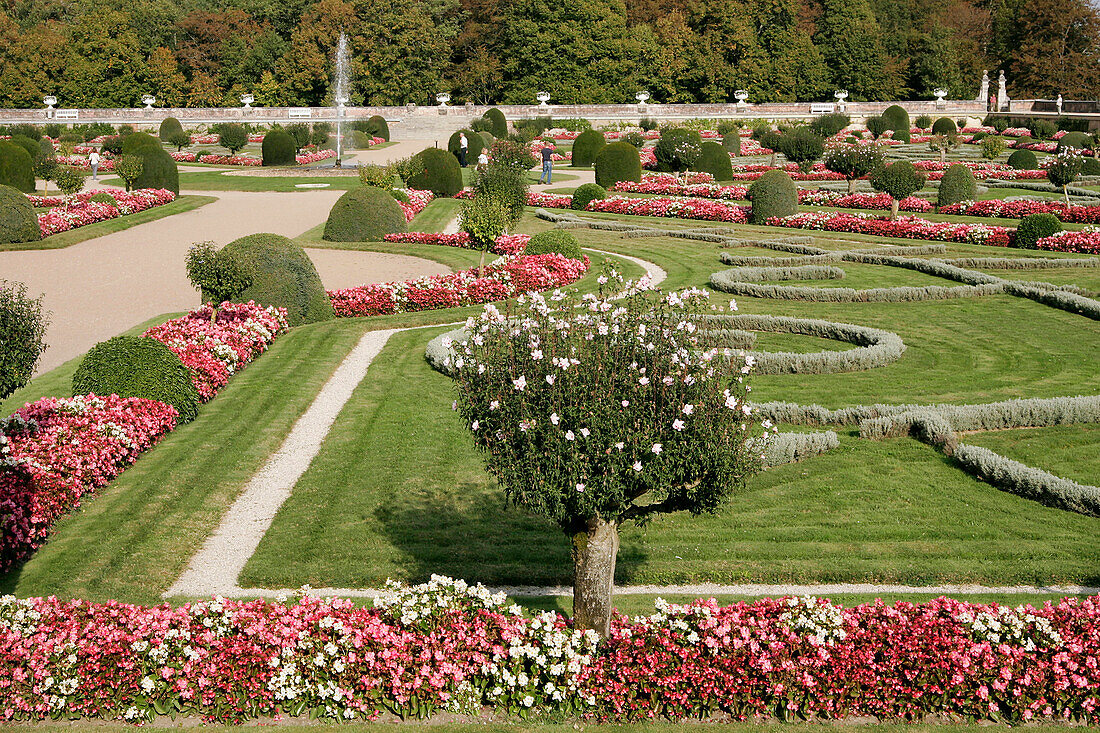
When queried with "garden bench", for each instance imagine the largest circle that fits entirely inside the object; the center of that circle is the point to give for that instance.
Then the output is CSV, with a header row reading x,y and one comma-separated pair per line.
x,y
300,112
66,114
822,108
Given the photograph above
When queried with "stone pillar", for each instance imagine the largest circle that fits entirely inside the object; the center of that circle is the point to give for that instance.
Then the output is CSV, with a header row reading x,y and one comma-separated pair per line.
x,y
1002,93
983,95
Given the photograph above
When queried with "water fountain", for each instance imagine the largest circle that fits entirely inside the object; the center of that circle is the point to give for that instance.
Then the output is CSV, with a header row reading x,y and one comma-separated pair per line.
x,y
340,96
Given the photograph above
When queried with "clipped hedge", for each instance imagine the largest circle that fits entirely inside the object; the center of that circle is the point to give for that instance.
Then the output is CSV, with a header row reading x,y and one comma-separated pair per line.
x,y
282,275
364,215
278,148
104,198
616,162
731,142
585,194
958,184
132,143
168,127
437,171
159,169
16,167
31,146
585,148
554,241
897,119
1077,140
498,123
1023,160
18,222
782,272
773,194
783,448
944,126
474,145
716,161
1034,227
379,127
137,366
1030,483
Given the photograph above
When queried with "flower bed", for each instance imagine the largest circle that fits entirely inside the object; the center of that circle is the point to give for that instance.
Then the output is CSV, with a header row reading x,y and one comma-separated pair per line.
x,y
72,216
183,156
256,137
905,227
445,646
1086,241
416,203
679,208
205,139
1074,213
506,244
54,452
1038,147
79,161
504,278
245,160
306,156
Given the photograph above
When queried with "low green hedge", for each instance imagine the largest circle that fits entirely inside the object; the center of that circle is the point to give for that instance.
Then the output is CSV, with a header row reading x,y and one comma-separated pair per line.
x,y
364,215
137,366
554,241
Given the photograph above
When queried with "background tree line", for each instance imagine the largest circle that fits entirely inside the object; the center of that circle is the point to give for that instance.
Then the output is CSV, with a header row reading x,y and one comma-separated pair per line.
x,y
99,53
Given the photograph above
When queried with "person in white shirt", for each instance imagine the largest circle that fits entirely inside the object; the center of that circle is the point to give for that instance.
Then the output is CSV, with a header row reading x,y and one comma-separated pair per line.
x,y
93,161
482,159
463,146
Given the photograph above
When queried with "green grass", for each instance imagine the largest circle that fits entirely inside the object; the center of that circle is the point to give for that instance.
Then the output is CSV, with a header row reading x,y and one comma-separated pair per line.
x,y
219,180
470,171
436,215
859,726
1069,451
110,226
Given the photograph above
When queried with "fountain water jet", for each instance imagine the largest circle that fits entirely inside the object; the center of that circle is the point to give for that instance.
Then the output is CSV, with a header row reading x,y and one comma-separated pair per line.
x,y
340,95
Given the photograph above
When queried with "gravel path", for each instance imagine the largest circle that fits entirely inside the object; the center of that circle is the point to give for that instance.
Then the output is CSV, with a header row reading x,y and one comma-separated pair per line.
x,y
655,273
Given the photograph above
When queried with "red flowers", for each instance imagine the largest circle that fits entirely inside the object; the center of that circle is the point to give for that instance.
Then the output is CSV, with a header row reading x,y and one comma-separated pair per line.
x,y
78,211
1083,242
506,244
906,227
1074,213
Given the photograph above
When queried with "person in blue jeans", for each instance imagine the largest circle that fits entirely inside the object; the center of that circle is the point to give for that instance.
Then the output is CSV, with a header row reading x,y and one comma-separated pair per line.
x,y
547,163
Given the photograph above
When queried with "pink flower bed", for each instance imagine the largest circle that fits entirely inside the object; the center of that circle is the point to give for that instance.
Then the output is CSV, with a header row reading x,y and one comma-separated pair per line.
x,y
1074,213
204,139
54,452
79,161
256,137
679,208
417,201
1083,242
83,212
504,278
1038,147
905,227
182,156
231,661
506,244
246,160
305,157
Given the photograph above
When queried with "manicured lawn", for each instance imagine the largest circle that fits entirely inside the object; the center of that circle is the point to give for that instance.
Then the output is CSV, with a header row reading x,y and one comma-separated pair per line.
x,y
859,726
220,180
1069,451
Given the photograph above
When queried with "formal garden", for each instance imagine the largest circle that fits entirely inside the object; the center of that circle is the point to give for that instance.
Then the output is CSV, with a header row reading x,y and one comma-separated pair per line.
x,y
753,420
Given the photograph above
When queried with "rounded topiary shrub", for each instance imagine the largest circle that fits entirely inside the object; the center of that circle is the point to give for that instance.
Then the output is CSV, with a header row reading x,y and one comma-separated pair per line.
x,y
379,127
586,193
714,159
944,126
773,194
1091,167
1023,160
678,149
1078,140
137,366
358,139
278,148
585,148
104,198
957,185
282,275
158,169
18,222
16,167
364,215
1034,227
131,143
436,171
897,119
731,141
555,240
487,139
617,162
31,146
498,122
169,127
474,145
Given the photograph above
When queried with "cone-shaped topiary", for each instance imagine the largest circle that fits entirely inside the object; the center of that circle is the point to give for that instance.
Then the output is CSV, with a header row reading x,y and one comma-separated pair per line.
x,y
18,222
556,241
731,141
585,148
897,119
278,148
138,366
1023,160
773,194
436,171
944,126
1034,227
618,162
474,145
586,193
364,215
131,143
957,185
498,122
16,167
714,159
282,275
379,127
169,127
158,170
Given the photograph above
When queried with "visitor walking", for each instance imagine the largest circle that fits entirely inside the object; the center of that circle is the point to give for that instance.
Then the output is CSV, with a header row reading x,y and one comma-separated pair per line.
x,y
547,163
463,146
482,160
1058,102
93,161
992,102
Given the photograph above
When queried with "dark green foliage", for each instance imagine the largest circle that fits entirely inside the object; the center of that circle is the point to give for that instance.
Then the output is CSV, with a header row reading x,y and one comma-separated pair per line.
x,y
364,215
278,148
1000,124
104,198
282,275
16,167
899,179
1042,129
944,126
113,145
138,366
877,126
319,137
436,171
513,154
233,137
481,125
219,276
714,159
1078,140
69,180
1091,167
24,327
52,129
531,128
618,162
731,141
759,132
474,145
1034,227
45,149
31,146
18,222
358,140
678,149
587,192
802,146
725,127
634,138
554,241
924,122
957,185
585,148
505,184
125,130
498,123
773,194
830,124
300,133
169,127
179,139
132,142
897,119
1023,160
572,124
26,130
487,139
647,124
159,170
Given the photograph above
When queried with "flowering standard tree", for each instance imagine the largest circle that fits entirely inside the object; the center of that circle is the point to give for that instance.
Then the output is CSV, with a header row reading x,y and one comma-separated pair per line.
x,y
610,410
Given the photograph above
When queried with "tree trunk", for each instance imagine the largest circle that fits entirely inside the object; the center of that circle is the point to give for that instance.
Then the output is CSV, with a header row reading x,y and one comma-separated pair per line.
x,y
481,263
894,207
1065,192
943,156
851,186
594,552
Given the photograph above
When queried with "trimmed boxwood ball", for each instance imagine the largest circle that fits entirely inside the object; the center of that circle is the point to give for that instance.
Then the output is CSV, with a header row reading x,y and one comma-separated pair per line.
x,y
616,162
138,366
131,143
716,161
16,167
31,146
379,127
957,185
585,148
1091,167
282,275
554,241
364,215
437,171
1023,160
772,194
498,122
731,141
159,169
1078,140
18,222
104,198
487,139
169,127
585,193
897,119
944,126
1034,227
474,145
278,148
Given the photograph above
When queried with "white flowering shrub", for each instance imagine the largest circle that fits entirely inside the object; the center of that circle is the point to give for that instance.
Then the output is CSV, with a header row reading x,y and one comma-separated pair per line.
x,y
816,619
423,607
1017,626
